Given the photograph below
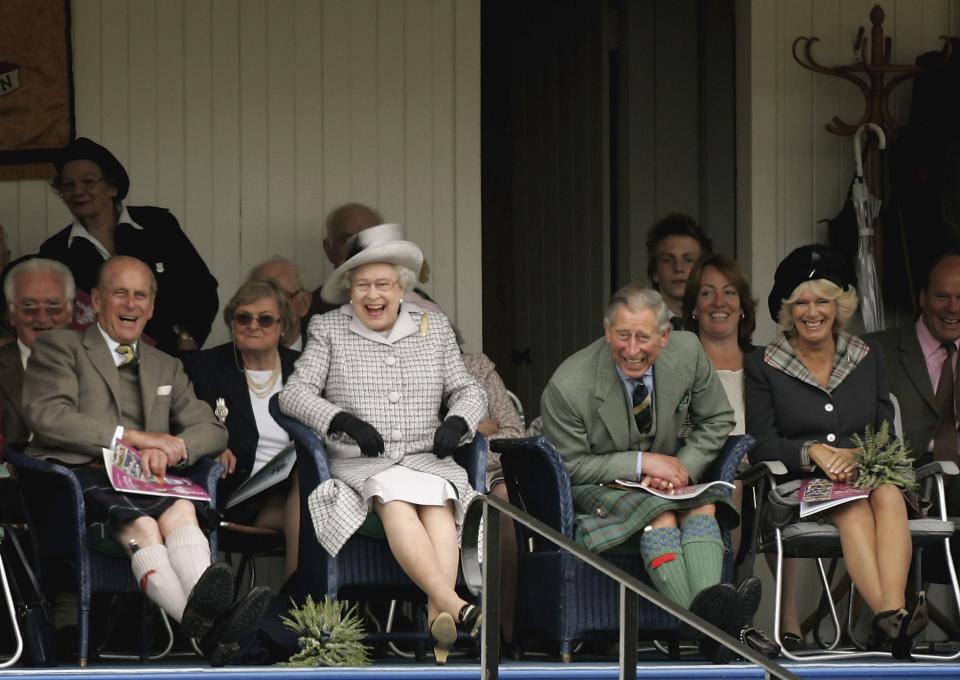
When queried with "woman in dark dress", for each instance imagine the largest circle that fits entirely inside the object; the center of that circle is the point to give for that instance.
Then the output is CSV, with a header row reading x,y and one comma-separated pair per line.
x,y
93,184
237,379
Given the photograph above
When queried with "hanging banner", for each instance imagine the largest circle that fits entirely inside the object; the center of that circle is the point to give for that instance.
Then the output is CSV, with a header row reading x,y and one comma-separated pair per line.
x,y
36,86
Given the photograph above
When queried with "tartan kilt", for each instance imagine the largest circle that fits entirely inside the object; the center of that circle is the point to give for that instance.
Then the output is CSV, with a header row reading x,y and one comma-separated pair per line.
x,y
607,517
105,505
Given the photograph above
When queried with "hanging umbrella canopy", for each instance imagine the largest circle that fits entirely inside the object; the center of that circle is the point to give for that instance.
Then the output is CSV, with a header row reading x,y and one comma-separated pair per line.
x,y
866,206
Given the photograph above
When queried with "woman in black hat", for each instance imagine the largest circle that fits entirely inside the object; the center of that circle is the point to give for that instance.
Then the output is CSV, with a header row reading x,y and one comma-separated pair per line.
x,y
807,393
93,185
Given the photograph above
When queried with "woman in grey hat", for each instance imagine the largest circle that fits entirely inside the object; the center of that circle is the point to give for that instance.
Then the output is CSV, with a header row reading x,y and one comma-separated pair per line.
x,y
371,381
807,394
93,185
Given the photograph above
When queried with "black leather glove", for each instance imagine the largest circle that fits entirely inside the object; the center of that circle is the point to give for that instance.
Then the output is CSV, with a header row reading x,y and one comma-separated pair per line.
x,y
448,435
362,432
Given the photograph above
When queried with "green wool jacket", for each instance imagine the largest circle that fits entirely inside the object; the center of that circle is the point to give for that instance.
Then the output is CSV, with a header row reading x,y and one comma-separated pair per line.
x,y
588,420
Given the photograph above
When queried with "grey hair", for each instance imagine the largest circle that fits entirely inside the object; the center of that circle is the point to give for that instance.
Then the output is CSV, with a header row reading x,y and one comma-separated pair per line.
x,y
846,300
405,277
277,259
636,298
44,266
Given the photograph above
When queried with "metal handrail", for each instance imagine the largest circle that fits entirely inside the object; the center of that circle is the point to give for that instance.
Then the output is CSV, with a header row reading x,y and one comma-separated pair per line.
x,y
485,578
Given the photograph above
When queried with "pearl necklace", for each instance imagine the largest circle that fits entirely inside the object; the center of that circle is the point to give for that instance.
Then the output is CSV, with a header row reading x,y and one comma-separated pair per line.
x,y
263,389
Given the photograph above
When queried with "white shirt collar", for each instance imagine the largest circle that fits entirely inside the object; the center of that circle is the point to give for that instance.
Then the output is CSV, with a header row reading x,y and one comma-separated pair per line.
x,y
113,344
24,353
78,230
404,326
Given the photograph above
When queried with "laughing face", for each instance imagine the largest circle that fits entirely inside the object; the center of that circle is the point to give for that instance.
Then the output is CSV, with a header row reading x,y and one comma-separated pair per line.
x,y
718,305
124,299
813,317
940,300
38,305
375,295
634,340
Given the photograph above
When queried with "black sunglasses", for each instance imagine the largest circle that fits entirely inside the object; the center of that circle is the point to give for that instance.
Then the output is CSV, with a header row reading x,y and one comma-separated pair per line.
x,y
246,318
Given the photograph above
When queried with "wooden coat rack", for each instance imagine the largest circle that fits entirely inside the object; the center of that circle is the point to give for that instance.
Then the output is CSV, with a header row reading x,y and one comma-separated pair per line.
x,y
870,77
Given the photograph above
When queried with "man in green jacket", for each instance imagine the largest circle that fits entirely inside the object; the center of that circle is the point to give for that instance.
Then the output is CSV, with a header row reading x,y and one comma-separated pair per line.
x,y
644,404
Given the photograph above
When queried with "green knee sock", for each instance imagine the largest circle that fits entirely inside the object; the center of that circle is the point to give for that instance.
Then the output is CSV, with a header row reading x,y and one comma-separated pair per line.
x,y
703,549
663,558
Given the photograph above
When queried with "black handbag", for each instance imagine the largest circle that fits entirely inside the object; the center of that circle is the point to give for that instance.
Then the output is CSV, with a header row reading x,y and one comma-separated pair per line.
x,y
34,614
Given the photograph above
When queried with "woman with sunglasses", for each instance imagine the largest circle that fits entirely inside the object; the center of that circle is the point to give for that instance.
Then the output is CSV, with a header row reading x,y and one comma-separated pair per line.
x,y
372,381
237,379
93,185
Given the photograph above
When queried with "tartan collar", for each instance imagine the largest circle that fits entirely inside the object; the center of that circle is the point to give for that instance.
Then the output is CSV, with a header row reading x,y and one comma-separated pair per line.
x,y
849,352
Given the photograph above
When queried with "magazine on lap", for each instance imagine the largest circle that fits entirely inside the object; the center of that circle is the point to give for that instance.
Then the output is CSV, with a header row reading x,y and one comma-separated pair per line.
x,y
126,474
681,493
275,471
817,495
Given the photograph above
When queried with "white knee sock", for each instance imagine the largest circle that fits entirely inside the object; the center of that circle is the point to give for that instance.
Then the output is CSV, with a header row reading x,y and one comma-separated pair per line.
x,y
189,554
158,580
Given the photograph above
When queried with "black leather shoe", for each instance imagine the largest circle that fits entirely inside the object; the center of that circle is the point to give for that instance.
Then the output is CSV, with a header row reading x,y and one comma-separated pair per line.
x,y
792,642
720,606
210,597
760,642
749,594
470,619
220,645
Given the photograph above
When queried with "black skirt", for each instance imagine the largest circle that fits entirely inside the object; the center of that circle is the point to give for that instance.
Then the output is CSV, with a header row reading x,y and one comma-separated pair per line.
x,y
107,506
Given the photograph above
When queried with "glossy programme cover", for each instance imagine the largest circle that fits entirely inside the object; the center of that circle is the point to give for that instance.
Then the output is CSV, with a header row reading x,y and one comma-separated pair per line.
x,y
127,475
817,495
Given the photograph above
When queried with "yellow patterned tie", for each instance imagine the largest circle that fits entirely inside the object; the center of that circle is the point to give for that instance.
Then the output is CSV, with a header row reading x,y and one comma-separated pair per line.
x,y
126,351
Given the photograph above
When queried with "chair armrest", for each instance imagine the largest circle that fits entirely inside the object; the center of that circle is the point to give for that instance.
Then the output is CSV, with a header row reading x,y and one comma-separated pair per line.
x,y
762,470
946,468
56,474
725,466
472,457
206,472
311,453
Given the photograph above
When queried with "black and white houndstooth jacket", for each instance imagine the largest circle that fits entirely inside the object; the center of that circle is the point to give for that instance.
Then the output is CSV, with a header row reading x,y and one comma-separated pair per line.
x,y
397,384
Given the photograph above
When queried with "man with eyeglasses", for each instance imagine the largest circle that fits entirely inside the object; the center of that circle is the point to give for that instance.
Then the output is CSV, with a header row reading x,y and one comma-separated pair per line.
x,y
39,295
85,390
286,275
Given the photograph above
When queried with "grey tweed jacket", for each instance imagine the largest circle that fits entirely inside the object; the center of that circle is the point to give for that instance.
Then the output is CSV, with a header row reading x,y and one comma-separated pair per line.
x,y
397,384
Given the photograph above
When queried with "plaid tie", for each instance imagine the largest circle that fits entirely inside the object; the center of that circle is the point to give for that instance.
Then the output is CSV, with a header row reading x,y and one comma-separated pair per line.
x,y
945,439
641,407
126,351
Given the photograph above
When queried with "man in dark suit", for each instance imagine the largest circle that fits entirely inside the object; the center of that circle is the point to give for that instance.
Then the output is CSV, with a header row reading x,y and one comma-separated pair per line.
x,y
643,403
39,297
84,391
922,369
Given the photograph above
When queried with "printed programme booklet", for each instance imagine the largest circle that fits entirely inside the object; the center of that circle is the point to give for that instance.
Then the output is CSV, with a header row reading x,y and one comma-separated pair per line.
x,y
275,471
817,495
127,475
682,493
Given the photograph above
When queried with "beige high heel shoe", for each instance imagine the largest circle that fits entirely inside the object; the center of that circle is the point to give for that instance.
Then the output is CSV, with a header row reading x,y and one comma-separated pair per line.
x,y
444,632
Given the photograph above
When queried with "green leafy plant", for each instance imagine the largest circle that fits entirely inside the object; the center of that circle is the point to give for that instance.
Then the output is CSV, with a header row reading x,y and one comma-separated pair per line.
x,y
330,633
883,459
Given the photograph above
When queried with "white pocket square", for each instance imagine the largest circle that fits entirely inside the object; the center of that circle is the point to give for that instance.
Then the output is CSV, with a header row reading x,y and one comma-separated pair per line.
x,y
164,390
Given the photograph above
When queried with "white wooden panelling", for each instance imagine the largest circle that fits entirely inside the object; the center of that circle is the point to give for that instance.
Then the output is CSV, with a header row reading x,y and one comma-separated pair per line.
x,y
791,171
252,119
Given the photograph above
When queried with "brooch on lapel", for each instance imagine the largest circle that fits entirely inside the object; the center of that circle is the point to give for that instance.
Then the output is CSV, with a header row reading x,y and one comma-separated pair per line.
x,y
684,402
221,411
424,325
159,267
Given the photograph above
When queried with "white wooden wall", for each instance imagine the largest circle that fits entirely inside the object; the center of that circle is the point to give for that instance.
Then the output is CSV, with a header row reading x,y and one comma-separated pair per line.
x,y
791,171
252,119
